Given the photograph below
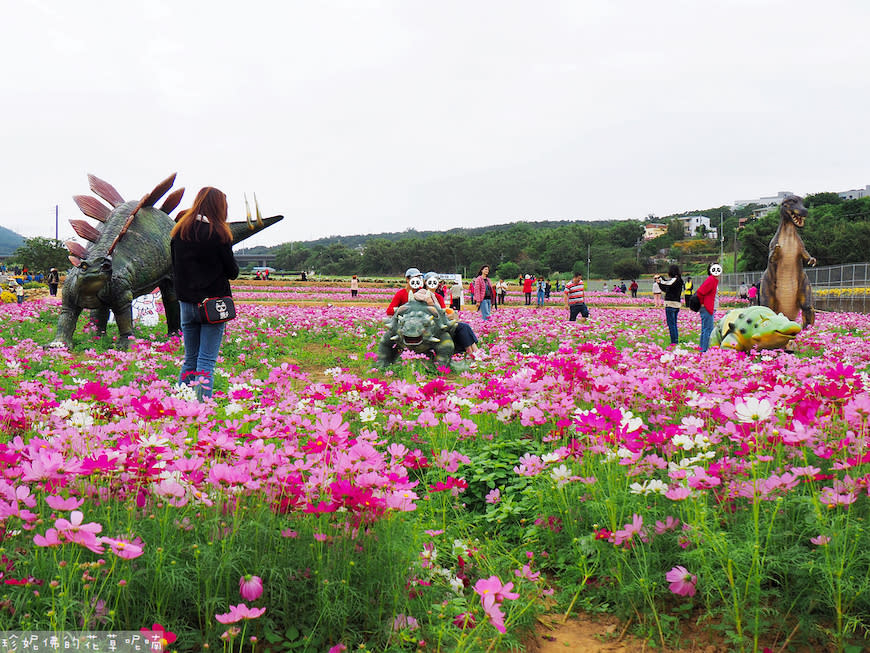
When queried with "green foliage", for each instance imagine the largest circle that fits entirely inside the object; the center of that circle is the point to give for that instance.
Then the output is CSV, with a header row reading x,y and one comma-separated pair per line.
x,y
507,270
42,254
627,268
817,199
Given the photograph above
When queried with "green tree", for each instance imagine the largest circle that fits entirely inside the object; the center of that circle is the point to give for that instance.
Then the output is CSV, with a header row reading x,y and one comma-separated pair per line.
x,y
676,231
507,270
627,268
41,254
626,234
291,257
817,199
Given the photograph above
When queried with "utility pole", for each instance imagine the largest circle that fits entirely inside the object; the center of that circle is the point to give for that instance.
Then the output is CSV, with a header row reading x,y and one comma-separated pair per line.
x,y
721,238
55,222
588,260
734,269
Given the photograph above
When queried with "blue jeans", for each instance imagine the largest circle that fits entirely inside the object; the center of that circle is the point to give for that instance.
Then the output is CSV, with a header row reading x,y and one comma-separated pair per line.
x,y
706,329
540,298
485,308
202,344
671,317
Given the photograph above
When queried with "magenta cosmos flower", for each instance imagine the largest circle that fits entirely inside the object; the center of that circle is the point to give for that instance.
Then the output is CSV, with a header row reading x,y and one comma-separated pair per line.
x,y
681,581
250,587
239,612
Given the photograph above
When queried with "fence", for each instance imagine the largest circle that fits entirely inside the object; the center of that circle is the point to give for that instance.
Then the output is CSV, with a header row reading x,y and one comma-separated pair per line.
x,y
852,280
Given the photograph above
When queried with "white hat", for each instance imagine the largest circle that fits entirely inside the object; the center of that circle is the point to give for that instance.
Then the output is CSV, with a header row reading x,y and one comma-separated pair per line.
x,y
412,272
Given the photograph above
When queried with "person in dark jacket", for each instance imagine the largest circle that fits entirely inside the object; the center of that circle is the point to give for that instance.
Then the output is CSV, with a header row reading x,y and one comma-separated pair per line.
x,y
673,287
202,266
53,280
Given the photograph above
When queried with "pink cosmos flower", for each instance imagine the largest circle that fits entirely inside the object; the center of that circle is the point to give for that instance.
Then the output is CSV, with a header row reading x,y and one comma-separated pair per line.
x,y
670,524
527,573
681,581
493,496
625,534
239,612
124,548
678,493
492,594
75,531
59,503
250,587
402,622
820,540
49,539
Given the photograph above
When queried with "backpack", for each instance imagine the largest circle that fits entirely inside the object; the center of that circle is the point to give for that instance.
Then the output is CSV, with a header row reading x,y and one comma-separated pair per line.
x,y
693,302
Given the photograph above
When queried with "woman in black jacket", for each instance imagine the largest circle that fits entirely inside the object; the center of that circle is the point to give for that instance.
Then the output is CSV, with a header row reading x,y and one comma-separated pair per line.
x,y
202,265
673,288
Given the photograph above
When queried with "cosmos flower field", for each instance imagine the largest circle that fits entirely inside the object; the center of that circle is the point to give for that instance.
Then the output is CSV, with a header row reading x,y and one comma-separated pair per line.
x,y
316,504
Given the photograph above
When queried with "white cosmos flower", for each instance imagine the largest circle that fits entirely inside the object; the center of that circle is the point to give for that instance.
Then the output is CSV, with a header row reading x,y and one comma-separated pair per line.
x,y
561,475
233,408
368,414
752,409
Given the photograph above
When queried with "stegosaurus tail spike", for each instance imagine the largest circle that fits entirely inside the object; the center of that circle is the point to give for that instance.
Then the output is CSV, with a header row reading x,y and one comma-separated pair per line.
x,y
92,207
105,190
172,201
159,191
85,230
76,249
259,215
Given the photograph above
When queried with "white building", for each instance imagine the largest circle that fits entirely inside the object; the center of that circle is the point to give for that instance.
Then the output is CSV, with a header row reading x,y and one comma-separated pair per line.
x,y
764,201
692,225
855,194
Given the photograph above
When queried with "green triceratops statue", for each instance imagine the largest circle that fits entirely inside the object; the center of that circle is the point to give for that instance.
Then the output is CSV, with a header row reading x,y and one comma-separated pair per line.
x,y
756,326
128,256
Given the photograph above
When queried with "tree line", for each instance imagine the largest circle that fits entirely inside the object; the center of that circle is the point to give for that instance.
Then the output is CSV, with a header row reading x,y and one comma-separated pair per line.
x,y
836,231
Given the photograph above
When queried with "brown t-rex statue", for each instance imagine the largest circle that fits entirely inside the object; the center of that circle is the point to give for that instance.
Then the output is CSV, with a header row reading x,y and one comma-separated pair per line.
x,y
785,287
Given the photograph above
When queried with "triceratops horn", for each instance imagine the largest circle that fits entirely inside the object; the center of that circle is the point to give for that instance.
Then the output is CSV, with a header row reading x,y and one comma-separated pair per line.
x,y
92,207
434,339
172,201
105,190
248,212
159,191
396,337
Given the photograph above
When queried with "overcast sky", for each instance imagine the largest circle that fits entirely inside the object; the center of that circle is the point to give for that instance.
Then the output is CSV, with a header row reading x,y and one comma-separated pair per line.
x,y
364,117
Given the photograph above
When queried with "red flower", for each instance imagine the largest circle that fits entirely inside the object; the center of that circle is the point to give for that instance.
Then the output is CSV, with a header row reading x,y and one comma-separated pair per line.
x,y
160,634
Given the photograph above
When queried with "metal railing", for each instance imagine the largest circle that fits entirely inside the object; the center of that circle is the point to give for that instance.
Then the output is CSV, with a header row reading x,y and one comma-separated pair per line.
x,y
829,277
849,275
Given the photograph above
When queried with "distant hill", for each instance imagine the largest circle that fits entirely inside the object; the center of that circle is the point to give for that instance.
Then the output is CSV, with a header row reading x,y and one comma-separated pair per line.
x,y
9,241
355,241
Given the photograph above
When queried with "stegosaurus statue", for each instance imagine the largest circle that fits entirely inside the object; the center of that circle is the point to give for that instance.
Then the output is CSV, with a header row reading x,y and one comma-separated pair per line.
x,y
127,256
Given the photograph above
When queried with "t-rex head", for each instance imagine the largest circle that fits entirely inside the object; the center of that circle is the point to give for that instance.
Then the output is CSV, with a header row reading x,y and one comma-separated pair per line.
x,y
793,208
